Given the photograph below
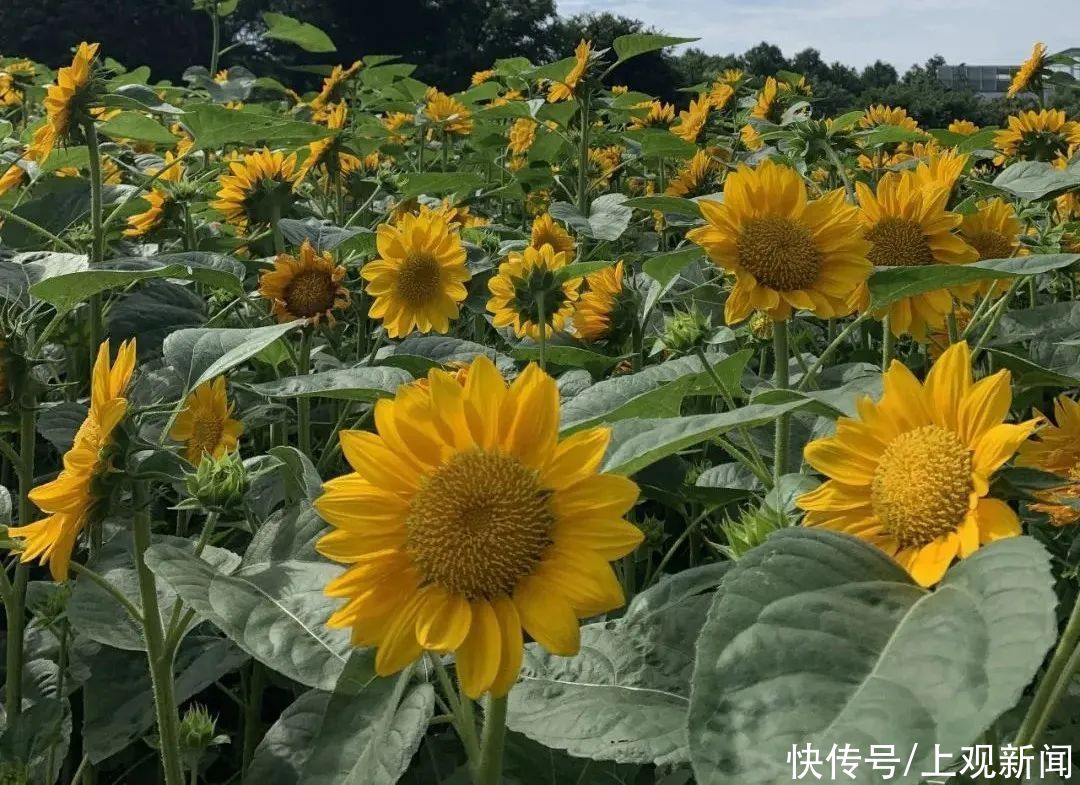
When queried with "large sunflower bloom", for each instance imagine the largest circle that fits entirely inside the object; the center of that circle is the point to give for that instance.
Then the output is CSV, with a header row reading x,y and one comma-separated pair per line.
x,y
522,135
785,252
60,100
879,114
1028,72
546,232
767,105
1047,135
908,226
445,111
702,174
206,426
418,279
564,90
69,498
258,175
911,475
466,520
515,287
305,287
1057,451
940,169
594,310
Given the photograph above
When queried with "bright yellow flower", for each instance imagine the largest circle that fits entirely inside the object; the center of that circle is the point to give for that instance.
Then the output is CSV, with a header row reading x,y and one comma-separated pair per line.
x,y
61,100
564,90
660,115
693,119
720,95
750,137
546,232
785,251
325,151
11,178
993,230
619,89
70,498
879,114
206,426
507,97
593,313
1028,72
518,280
909,226
1057,451
963,127
702,174
767,105
522,135
940,169
1047,135
331,89
159,199
731,76
911,475
306,287
452,116
256,175
482,76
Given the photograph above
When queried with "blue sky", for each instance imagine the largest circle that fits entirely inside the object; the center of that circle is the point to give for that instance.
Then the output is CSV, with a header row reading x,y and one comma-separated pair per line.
x,y
857,32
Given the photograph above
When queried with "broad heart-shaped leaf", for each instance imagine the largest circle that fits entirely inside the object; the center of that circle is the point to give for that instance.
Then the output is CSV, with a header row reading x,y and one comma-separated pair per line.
x,y
664,267
891,284
817,637
525,762
275,612
350,384
1035,180
625,695
567,354
215,126
609,217
287,535
654,391
323,235
94,613
153,312
139,127
200,354
627,46
637,443
666,204
438,183
419,353
285,748
1051,322
120,701
307,36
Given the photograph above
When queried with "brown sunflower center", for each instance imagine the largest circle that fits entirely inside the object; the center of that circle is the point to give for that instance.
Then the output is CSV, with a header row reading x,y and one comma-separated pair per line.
x,y
899,242
310,293
921,487
479,524
206,434
418,278
779,252
991,245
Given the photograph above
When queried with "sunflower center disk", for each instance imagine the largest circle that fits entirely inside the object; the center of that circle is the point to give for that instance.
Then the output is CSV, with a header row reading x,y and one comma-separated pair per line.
x,y
991,245
418,279
479,524
310,293
921,487
206,433
779,252
898,242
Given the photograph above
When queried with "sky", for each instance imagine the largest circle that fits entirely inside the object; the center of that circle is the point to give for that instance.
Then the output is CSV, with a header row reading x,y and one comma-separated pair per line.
x,y
858,32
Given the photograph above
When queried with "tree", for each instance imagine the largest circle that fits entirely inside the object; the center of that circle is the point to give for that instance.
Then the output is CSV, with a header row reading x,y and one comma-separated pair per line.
x,y
765,59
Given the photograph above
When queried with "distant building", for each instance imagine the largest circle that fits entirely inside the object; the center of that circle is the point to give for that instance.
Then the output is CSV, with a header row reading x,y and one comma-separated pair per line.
x,y
989,81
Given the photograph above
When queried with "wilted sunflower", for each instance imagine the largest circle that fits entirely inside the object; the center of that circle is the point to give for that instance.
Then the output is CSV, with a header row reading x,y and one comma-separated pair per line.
x,y
306,287
785,252
159,199
702,174
63,99
418,279
448,113
1029,73
908,226
963,127
70,498
1047,135
522,279
564,90
1057,451
331,88
256,181
546,232
466,520
692,120
659,115
911,475
595,308
522,135
206,426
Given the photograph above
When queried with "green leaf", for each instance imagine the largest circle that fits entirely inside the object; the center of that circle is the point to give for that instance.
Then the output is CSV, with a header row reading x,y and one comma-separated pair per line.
x,y
132,125
438,183
1058,369
323,235
287,535
285,748
527,763
819,638
664,267
307,36
286,597
349,384
628,46
666,204
889,134
565,354
201,354
636,443
1036,180
581,269
892,284
215,126
419,353
609,217
154,311
658,143
1051,322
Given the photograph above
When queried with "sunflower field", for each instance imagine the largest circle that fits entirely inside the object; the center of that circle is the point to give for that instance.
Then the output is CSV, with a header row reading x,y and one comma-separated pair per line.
x,y
541,433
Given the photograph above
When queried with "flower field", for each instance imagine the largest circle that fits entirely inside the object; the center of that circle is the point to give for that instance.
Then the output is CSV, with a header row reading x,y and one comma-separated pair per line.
x,y
542,432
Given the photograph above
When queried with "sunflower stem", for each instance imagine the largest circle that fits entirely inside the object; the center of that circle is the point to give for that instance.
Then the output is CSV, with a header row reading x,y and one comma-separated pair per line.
x,y
275,228
950,325
542,318
841,170
755,462
189,230
830,350
782,381
253,713
494,739
215,38
888,343
129,607
160,660
97,253
1063,665
583,156
303,403
995,317
16,598
175,630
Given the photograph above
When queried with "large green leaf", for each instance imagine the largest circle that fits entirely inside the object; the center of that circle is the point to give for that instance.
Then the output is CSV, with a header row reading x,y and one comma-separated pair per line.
x,y
566,354
201,354
628,46
153,312
637,443
419,353
819,638
275,612
891,284
664,267
350,384
284,750
323,235
139,127
215,126
438,183
287,535
1034,180
307,36
666,204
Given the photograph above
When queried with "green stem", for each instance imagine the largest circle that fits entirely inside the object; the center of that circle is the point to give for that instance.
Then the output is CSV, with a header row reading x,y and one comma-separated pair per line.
x,y
108,588
637,341
841,170
1033,291
1063,665
543,329
756,464
97,254
583,157
215,45
8,215
888,343
782,381
16,600
253,713
995,317
275,228
61,673
189,230
303,403
830,350
950,325
489,771
160,660
174,632
420,151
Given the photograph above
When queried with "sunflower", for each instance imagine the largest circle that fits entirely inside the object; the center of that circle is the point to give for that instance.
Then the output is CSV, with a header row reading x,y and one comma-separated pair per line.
x,y
522,135
564,90
659,115
750,137
1029,73
308,287
595,308
963,127
720,94
702,174
879,114
158,198
10,94
993,230
912,473
418,279
940,169
63,99
396,121
70,498
448,113
466,520
908,226
692,120
767,104
546,232
786,252
331,88
206,426
255,179
939,338
524,278
604,161
11,177
505,98
324,151
1047,135
1057,451
480,77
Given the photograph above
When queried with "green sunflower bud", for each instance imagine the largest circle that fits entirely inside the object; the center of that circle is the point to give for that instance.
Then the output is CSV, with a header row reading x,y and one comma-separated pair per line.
x,y
218,484
685,331
653,529
751,529
761,326
197,729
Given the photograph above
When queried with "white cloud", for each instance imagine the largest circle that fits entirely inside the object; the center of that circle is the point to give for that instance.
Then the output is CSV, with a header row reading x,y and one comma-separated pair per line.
x,y
857,32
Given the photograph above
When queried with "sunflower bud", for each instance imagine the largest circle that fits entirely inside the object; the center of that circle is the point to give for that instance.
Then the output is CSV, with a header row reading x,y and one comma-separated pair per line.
x,y
685,331
197,729
751,529
653,529
761,326
217,484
